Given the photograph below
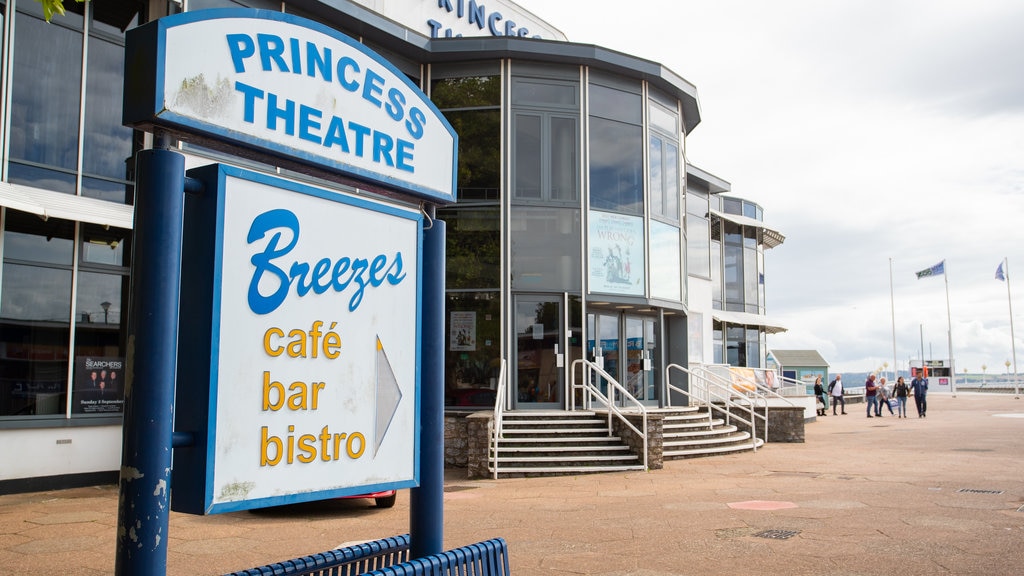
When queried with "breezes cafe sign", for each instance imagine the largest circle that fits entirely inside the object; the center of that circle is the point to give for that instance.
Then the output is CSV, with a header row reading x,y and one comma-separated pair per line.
x,y
300,331
292,87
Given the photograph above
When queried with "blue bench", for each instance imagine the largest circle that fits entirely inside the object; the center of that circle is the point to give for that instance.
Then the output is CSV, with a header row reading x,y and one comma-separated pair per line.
x,y
390,557
488,558
348,561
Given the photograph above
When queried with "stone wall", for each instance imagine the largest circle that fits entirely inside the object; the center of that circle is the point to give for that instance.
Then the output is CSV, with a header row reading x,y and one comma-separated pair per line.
x,y
456,439
785,424
655,437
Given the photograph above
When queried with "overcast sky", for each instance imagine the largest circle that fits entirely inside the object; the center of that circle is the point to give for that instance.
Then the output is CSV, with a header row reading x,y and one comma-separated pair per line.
x,y
868,130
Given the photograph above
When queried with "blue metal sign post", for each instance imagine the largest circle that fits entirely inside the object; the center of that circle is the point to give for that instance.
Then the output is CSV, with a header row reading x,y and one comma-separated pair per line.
x,y
144,505
426,503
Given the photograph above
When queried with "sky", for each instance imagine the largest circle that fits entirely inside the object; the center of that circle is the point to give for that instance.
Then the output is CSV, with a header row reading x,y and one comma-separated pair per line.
x,y
879,136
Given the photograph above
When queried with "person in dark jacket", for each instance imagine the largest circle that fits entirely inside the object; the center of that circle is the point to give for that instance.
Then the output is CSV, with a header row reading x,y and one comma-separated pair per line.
x,y
920,387
819,393
901,391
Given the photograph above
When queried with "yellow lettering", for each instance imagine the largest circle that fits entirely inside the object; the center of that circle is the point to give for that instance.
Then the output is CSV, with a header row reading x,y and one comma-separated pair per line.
x,y
265,442
351,440
297,347
268,387
267,347
297,400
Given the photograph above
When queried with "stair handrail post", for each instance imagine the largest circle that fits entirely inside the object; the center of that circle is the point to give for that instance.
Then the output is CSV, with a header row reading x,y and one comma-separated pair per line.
x,y
496,426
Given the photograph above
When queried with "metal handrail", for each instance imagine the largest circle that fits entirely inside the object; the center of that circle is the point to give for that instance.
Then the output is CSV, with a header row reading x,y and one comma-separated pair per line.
x,y
590,391
495,426
760,391
724,392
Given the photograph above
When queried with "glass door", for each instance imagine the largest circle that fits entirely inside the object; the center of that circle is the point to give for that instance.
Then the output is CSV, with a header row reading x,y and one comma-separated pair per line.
x,y
539,370
625,346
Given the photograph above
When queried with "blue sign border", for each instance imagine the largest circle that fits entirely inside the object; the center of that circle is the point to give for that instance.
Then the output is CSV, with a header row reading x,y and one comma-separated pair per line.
x,y
143,106
200,335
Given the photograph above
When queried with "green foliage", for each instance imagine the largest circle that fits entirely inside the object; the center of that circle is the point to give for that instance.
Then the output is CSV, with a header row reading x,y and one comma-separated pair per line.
x,y
51,7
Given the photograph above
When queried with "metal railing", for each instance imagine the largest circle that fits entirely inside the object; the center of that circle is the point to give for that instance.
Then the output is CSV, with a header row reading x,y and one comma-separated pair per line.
x,y
494,427
591,392
744,381
720,395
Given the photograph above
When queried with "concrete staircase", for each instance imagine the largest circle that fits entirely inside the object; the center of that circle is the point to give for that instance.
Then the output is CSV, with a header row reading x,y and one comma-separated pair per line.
x,y
690,433
559,443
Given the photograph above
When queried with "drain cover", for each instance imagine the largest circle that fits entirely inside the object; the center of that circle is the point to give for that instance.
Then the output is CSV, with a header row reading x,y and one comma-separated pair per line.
x,y
777,534
977,491
458,488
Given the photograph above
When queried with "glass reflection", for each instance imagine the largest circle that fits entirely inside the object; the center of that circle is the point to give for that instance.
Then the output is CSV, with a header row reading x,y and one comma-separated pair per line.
x,y
44,112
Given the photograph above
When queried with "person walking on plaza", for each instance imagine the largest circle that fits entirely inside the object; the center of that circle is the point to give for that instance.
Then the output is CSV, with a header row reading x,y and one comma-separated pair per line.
x,y
871,395
883,398
920,387
901,391
835,389
819,394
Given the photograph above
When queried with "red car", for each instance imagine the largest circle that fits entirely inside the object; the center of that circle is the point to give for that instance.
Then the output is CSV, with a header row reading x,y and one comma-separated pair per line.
x,y
385,499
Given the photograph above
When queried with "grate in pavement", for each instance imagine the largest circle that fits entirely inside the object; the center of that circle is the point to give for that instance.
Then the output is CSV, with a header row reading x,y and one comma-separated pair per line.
x,y
777,534
978,491
1021,509
458,488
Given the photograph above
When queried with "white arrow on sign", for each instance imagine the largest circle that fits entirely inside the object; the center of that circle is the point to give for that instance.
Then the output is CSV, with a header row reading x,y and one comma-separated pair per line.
x,y
389,395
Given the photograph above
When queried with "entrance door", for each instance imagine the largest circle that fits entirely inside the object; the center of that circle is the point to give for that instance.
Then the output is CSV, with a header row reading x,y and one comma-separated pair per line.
x,y
626,347
539,371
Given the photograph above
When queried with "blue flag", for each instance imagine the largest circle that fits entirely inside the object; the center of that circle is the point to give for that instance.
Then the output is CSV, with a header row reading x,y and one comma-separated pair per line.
x,y
936,270
999,273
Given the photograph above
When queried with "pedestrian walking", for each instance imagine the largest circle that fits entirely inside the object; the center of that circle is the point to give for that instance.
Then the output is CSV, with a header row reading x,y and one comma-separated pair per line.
x,y
871,395
901,391
883,398
920,387
821,399
835,390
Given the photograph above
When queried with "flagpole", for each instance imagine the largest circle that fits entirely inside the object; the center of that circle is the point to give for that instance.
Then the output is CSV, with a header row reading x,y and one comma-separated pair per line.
x,y
892,309
1013,341
949,323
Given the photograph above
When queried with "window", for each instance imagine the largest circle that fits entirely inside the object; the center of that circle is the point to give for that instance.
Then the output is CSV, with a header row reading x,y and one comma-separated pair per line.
x,y
665,160
472,105
616,150
38,320
698,235
47,110
545,141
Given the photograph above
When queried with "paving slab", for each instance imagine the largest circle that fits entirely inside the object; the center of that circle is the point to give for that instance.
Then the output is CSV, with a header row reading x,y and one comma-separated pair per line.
x,y
915,496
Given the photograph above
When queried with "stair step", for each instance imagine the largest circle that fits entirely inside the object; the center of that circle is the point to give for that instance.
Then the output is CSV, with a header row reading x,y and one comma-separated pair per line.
x,y
732,438
610,448
677,454
558,431
564,469
559,422
697,433
563,439
586,458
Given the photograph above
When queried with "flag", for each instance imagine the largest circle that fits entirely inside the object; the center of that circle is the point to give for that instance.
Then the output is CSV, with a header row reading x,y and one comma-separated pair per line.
x,y
999,273
936,270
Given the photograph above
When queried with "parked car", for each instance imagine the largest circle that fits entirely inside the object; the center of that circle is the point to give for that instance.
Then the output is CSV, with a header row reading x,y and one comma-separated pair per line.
x,y
385,499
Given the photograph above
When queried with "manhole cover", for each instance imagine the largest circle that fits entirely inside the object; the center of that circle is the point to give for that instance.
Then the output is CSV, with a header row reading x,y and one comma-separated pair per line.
x,y
972,450
458,488
777,534
977,491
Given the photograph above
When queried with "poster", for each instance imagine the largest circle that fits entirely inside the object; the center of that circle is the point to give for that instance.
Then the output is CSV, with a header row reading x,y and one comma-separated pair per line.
x,y
462,333
616,245
98,385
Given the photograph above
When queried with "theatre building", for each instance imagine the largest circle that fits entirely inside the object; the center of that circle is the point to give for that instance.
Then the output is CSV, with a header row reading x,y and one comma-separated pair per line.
x,y
579,234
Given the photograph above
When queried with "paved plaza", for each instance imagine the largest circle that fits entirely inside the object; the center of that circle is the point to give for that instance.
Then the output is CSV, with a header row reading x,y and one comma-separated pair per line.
x,y
917,496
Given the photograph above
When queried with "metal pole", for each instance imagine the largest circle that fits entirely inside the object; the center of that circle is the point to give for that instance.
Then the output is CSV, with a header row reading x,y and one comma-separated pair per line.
x,y
1013,340
426,503
144,503
892,308
949,320
922,346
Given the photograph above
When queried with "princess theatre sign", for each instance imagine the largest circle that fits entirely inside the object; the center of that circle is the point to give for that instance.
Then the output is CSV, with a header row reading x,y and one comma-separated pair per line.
x,y
300,330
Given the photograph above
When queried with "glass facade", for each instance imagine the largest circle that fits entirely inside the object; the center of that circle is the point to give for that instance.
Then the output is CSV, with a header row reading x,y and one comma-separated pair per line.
x,y
63,288
48,109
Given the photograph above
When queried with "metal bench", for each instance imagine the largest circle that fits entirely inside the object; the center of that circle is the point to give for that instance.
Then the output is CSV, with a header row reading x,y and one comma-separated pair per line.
x,y
390,557
488,558
348,561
